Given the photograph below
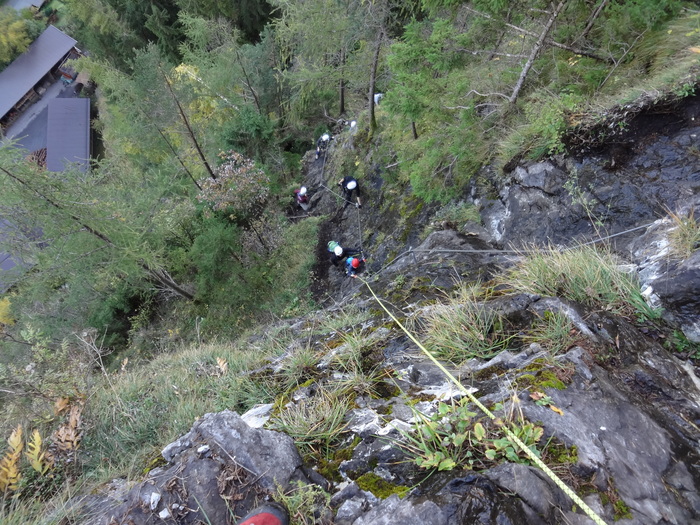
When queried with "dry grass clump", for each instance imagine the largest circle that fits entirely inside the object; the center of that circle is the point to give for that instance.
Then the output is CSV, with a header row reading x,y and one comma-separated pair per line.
x,y
685,237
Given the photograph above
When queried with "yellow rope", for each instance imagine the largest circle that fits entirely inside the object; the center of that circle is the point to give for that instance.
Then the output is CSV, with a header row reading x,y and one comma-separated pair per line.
x,y
537,461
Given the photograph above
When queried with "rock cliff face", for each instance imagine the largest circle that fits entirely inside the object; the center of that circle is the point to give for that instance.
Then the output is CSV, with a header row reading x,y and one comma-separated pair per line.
x,y
624,433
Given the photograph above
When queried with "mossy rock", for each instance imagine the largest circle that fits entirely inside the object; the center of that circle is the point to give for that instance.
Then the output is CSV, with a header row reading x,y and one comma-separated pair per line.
x,y
488,373
559,453
540,380
386,390
380,487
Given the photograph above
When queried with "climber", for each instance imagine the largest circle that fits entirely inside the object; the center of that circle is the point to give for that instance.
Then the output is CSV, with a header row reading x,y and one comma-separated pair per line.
x,y
267,514
322,144
302,198
349,185
338,253
353,265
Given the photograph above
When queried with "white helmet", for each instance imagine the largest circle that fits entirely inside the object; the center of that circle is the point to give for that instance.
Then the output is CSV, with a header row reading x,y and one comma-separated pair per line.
x,y
326,137
352,185
353,123
338,251
302,191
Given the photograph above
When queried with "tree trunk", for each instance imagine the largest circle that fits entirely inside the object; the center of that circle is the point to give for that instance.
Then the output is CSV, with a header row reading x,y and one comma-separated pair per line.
x,y
574,50
190,132
592,20
172,149
535,51
249,85
500,38
413,129
341,87
372,83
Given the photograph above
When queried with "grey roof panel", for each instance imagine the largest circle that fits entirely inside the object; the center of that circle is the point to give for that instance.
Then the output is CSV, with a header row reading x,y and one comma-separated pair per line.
x,y
28,69
68,133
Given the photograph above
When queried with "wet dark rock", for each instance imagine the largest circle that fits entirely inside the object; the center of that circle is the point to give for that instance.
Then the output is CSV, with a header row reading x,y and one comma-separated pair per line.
x,y
475,499
616,440
380,452
540,497
679,291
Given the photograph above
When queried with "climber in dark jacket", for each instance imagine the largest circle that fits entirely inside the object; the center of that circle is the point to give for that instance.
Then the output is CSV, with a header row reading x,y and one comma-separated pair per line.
x,y
349,186
322,144
338,253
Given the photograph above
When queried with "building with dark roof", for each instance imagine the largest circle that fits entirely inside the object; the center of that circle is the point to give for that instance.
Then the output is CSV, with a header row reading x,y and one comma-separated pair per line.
x,y
68,134
21,82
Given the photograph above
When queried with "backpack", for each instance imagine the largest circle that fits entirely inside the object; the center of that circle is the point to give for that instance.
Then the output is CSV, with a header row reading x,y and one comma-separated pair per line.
x,y
332,245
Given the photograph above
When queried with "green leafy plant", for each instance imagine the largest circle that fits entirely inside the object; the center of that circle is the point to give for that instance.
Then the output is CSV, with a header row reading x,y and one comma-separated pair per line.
x,y
454,437
680,343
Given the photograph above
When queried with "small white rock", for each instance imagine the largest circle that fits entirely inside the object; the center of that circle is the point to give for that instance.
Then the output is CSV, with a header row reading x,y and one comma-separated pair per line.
x,y
155,499
203,449
165,514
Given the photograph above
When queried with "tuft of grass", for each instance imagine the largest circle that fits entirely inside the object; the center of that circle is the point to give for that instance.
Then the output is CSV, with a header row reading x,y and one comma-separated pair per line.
x,y
361,374
300,366
307,504
585,274
343,319
316,422
457,214
553,331
685,237
464,329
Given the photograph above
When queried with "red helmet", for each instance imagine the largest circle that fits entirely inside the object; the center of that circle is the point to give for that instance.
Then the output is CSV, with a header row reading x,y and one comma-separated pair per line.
x,y
355,263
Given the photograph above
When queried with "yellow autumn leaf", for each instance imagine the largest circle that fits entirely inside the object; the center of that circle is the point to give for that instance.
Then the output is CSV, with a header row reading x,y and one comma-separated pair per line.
x,y
15,440
36,456
61,405
9,463
557,410
695,49
222,365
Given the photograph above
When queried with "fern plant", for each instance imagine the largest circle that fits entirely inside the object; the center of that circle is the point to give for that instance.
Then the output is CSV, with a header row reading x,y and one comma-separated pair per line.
x,y
9,464
39,459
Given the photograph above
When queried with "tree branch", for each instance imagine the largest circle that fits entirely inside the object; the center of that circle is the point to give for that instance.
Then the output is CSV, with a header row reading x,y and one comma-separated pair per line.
x,y
574,50
535,51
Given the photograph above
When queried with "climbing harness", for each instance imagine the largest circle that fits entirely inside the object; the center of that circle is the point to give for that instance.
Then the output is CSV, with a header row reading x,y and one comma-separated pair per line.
x,y
511,436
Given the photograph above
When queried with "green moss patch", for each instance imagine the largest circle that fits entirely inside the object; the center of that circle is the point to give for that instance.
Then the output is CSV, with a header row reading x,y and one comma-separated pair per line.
x,y
380,487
